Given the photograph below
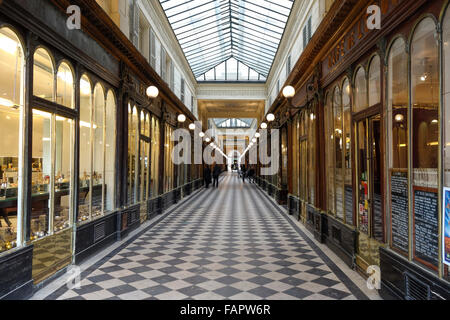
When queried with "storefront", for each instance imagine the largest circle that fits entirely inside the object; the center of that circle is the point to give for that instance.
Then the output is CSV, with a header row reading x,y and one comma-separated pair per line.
x,y
81,154
382,122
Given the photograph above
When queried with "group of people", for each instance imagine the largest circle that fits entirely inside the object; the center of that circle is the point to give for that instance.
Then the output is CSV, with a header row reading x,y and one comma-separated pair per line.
x,y
248,173
212,173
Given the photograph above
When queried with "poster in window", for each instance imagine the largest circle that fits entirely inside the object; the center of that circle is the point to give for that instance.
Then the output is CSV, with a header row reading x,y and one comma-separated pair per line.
x,y
446,227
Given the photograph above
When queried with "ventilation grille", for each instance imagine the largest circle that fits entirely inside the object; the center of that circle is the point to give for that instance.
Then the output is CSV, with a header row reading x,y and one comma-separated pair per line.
x,y
99,231
416,289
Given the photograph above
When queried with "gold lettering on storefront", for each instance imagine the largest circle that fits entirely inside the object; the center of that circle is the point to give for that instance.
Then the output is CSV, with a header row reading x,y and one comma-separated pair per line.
x,y
357,33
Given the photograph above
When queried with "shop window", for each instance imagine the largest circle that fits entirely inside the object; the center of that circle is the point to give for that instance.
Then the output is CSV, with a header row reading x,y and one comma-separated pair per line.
x,y
65,86
425,139
97,144
133,144
398,146
446,142
110,152
374,81
295,156
52,182
360,90
311,118
84,191
98,153
43,72
144,156
329,154
11,114
347,149
155,138
168,165
338,148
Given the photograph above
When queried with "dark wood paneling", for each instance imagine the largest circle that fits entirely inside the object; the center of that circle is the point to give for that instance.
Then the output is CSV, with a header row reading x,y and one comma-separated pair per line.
x,y
15,270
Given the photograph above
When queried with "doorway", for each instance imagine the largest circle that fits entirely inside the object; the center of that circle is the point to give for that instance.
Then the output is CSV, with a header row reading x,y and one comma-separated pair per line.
x,y
369,168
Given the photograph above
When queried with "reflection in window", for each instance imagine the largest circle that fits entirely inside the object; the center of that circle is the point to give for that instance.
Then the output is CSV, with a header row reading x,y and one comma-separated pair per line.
x,y
329,154
338,148
98,159
360,90
42,173
97,143
425,102
154,182
63,173
397,91
11,108
374,81
347,109
311,118
52,174
84,194
110,152
133,143
168,166
64,86
43,74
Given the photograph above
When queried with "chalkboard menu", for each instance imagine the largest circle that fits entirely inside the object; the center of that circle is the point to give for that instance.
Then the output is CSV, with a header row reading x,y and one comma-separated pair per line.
x,y
426,227
348,205
399,211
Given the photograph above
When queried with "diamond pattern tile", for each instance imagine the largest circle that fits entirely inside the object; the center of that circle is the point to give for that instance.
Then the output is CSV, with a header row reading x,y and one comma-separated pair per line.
x,y
227,243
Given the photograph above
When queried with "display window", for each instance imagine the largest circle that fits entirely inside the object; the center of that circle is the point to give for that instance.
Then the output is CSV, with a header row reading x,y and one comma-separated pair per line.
x,y
168,165
145,156
52,150
339,145
311,118
329,154
425,142
446,142
97,143
154,173
44,75
133,148
11,124
360,90
398,145
338,155
284,157
295,156
65,86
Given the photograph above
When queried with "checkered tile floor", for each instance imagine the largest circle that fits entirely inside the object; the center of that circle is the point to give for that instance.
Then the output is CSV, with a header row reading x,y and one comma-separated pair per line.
x,y
227,243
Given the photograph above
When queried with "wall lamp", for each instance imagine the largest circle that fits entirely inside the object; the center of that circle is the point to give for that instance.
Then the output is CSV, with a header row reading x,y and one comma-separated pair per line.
x,y
152,92
181,118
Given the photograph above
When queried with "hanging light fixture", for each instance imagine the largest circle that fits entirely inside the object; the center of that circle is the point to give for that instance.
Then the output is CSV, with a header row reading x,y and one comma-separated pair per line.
x,y
263,125
270,117
192,126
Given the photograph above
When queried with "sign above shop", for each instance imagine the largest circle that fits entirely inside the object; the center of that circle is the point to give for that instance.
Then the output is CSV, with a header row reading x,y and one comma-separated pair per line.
x,y
356,34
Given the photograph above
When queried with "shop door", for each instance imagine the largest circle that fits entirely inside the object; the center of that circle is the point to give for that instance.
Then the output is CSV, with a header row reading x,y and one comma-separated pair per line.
x,y
370,220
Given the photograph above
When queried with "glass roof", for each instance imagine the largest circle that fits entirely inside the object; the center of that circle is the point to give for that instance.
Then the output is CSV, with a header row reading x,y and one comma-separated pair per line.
x,y
233,123
211,32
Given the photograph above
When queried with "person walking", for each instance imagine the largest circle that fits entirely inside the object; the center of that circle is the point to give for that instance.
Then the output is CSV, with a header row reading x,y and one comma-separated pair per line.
x,y
251,174
207,176
217,170
244,173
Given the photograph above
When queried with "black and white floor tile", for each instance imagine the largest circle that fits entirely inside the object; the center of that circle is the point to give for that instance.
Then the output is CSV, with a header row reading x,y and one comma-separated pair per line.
x,y
226,243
